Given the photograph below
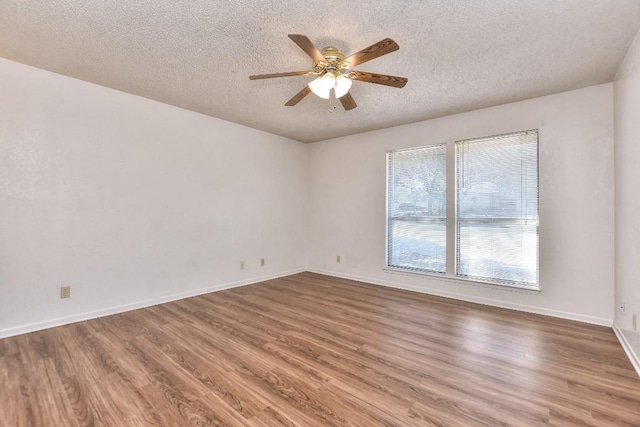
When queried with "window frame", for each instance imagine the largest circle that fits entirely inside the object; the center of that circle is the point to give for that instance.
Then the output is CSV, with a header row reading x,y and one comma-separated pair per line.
x,y
451,273
389,218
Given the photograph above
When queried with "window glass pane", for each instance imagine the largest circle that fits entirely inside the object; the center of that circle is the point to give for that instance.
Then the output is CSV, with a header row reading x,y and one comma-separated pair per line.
x,y
418,245
498,252
498,177
418,183
417,209
497,208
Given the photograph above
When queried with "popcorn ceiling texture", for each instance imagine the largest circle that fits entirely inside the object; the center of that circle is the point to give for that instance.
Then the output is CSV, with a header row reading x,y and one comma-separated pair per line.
x,y
457,55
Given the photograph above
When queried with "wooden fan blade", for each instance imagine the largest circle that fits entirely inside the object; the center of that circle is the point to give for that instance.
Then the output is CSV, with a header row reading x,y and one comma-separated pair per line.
x,y
271,76
298,96
306,45
381,79
347,102
372,52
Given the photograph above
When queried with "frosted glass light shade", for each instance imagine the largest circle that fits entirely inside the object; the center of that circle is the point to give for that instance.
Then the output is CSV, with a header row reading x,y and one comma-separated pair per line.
x,y
322,85
343,84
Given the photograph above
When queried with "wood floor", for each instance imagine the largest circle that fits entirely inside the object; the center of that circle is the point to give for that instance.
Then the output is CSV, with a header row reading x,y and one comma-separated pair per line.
x,y
310,350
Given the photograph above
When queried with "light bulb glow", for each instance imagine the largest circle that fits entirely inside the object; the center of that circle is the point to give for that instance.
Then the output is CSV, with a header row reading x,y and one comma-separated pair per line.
x,y
343,84
322,85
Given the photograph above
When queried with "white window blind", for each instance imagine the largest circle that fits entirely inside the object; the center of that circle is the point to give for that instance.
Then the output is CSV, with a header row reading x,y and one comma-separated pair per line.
x,y
417,209
497,209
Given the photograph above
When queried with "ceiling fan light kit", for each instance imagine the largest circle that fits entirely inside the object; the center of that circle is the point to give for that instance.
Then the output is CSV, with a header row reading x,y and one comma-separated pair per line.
x,y
330,80
333,71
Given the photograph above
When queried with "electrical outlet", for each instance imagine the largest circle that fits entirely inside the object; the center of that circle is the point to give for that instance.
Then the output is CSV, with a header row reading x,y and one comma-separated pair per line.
x,y
241,265
338,259
65,291
634,322
261,262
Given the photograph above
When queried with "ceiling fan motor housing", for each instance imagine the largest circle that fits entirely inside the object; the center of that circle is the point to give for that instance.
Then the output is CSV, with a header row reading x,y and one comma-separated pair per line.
x,y
332,54
335,61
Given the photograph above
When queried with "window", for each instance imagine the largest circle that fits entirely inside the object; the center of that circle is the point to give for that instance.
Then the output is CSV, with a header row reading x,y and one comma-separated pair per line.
x,y
495,217
497,208
417,209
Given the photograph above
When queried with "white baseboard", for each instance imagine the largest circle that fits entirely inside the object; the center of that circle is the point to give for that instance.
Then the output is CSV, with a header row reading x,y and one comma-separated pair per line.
x,y
37,326
633,357
485,301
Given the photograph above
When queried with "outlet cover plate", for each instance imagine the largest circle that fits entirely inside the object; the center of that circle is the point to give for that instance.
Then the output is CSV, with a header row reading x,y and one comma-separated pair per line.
x,y
65,291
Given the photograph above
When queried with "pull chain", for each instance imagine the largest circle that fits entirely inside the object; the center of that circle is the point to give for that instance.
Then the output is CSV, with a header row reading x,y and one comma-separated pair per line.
x,y
332,101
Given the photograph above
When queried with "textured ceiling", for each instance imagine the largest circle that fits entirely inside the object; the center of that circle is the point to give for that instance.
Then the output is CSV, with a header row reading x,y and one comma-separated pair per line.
x,y
458,55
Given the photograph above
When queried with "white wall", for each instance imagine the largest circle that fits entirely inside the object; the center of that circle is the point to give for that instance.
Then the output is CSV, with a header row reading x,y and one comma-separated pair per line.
x,y
132,201
347,204
627,203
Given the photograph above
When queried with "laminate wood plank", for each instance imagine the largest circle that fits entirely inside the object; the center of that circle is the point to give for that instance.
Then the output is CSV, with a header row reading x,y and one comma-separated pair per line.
x,y
421,365
81,401
122,408
126,366
485,406
231,329
161,413
206,372
76,387
361,384
270,417
455,377
388,332
96,401
358,411
153,315
300,367
311,350
96,357
601,399
15,406
612,420
619,375
238,322
291,400
344,409
308,321
123,326
445,412
563,417
47,396
163,312
203,346
308,326
182,392
419,386
239,352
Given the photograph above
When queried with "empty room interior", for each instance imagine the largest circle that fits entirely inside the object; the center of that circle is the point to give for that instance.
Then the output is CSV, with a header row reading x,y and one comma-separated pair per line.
x,y
294,213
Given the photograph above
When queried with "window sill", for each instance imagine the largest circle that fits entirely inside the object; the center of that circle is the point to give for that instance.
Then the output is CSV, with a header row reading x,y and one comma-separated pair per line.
x,y
463,281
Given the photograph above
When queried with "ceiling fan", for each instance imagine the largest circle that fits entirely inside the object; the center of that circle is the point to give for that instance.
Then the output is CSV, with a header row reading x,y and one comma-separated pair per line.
x,y
334,73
